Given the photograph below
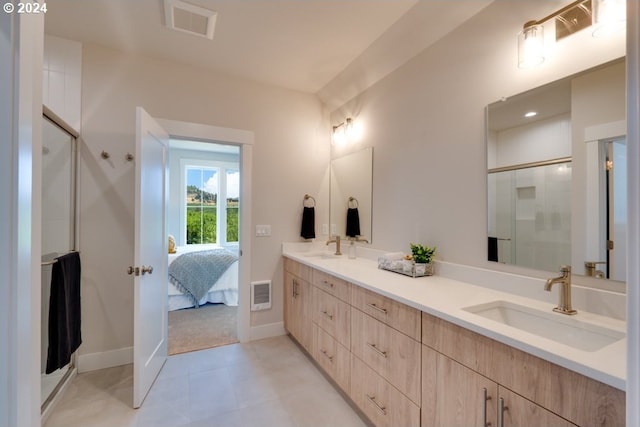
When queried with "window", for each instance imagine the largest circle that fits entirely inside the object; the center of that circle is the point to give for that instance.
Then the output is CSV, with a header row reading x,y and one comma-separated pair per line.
x,y
201,205
211,204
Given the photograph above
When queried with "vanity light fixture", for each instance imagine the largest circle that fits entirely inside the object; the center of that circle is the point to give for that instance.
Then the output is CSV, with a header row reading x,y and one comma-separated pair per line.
x,y
343,132
609,16
605,16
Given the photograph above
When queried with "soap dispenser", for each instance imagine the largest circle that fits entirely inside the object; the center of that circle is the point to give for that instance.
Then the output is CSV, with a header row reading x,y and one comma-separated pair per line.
x,y
352,249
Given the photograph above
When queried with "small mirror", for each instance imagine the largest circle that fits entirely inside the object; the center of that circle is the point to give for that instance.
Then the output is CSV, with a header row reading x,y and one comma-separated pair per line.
x,y
556,159
351,191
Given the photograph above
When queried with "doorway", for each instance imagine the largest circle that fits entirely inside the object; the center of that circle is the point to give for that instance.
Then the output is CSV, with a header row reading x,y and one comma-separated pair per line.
x,y
244,140
614,186
203,222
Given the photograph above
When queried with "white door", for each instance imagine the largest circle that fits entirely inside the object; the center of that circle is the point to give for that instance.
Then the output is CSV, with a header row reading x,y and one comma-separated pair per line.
x,y
150,263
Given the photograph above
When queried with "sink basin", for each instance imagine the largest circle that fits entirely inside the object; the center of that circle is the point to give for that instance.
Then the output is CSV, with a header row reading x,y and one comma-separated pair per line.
x,y
321,255
557,327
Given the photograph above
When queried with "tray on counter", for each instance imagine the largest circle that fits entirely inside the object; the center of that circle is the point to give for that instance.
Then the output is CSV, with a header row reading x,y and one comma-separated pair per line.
x,y
412,273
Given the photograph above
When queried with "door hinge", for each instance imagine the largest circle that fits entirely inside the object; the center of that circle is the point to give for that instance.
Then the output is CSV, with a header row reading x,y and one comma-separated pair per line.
x,y
610,244
609,165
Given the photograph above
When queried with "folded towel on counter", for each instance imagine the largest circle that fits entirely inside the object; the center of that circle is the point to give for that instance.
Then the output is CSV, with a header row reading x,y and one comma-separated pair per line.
x,y
392,260
64,311
308,228
353,222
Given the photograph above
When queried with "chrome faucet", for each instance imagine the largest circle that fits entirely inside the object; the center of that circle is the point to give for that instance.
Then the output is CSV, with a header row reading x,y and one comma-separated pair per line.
x,y
336,240
564,306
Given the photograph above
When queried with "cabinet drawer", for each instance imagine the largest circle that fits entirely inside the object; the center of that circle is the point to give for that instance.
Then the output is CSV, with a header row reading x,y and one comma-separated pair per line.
x,y
395,314
334,358
297,269
380,401
393,355
332,315
333,285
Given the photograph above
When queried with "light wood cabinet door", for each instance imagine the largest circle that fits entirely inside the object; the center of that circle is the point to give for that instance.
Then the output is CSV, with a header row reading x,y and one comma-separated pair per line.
x,y
332,315
517,411
382,403
455,396
297,269
393,355
574,397
334,358
393,313
298,305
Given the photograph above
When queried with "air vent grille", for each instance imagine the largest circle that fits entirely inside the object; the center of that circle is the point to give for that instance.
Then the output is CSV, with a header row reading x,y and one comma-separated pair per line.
x,y
260,295
188,18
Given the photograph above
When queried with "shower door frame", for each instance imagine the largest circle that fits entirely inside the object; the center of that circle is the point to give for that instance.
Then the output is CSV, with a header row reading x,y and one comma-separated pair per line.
x,y
47,405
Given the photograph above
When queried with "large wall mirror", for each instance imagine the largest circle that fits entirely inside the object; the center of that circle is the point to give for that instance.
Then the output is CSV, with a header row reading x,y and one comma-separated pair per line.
x,y
556,160
351,190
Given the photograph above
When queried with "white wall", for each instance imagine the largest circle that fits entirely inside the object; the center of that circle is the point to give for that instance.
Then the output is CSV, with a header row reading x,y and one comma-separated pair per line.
x,y
61,80
291,154
426,124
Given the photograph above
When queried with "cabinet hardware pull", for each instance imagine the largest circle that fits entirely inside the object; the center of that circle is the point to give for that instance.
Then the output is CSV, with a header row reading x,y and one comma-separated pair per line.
x,y
328,283
295,289
485,398
377,350
327,355
330,316
501,409
375,307
382,409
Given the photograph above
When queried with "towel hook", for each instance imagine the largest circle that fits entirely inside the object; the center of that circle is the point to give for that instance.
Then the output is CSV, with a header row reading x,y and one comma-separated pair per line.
x,y
306,198
104,155
353,200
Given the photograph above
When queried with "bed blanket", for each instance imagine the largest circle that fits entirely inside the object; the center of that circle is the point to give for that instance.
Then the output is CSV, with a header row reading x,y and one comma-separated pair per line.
x,y
194,273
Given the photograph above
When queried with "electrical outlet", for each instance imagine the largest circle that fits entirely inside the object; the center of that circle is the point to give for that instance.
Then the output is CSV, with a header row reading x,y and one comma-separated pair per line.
x,y
325,229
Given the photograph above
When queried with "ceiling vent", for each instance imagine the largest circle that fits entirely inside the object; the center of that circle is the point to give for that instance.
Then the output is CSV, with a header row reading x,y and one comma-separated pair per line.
x,y
188,18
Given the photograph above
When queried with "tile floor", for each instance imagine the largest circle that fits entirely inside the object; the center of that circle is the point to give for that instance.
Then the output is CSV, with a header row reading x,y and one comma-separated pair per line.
x,y
263,383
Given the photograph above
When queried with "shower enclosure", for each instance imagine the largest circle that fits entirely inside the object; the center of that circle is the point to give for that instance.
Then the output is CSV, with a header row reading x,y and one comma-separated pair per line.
x,y
59,229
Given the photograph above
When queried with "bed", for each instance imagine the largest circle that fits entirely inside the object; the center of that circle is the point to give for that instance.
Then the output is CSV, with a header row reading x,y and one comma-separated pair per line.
x,y
225,288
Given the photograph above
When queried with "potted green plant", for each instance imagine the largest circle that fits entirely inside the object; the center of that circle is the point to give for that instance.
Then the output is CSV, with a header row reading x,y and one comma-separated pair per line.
x,y
422,257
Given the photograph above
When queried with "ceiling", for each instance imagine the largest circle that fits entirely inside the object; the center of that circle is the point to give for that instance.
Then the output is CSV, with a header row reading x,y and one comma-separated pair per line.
x,y
297,44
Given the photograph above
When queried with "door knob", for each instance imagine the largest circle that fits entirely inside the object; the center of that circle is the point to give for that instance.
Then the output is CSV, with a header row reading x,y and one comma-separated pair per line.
x,y
148,269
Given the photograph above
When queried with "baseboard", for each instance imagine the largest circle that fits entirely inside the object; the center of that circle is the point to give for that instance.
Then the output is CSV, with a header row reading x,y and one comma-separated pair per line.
x,y
105,359
267,331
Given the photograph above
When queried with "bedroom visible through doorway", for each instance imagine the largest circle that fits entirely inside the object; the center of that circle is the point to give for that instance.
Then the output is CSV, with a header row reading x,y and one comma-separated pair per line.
x,y
203,224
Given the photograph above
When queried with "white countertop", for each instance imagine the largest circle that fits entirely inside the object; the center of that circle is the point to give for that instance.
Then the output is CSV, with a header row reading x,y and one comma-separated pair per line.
x,y
446,298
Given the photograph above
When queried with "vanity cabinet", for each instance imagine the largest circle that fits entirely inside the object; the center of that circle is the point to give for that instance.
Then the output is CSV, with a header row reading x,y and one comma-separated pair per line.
x,y
533,391
298,303
335,286
455,395
393,313
382,403
390,353
333,315
404,367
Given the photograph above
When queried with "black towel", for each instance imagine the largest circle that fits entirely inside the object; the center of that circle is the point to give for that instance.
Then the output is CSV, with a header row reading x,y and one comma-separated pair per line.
x,y
308,229
493,249
64,311
353,222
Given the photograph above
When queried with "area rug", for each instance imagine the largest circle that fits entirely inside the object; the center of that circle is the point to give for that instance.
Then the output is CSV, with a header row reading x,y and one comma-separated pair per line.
x,y
211,325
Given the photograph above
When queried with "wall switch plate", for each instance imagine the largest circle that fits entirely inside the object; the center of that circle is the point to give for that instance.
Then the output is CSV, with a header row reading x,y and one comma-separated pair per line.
x,y
333,229
325,229
263,230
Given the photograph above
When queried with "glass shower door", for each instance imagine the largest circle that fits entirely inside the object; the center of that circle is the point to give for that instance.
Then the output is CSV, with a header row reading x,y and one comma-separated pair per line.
x,y
58,228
